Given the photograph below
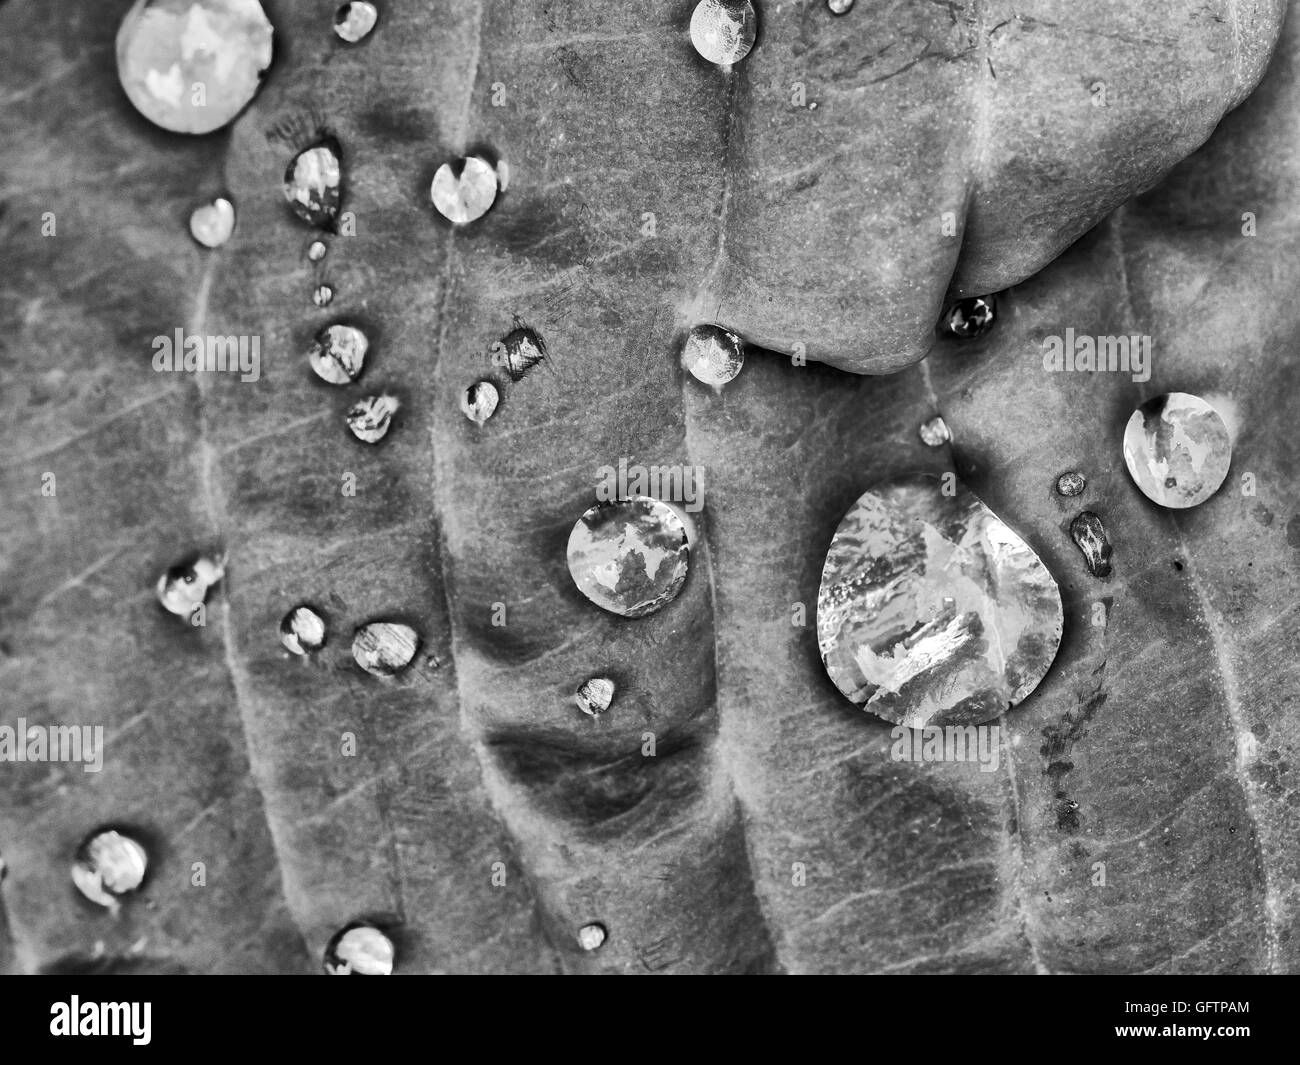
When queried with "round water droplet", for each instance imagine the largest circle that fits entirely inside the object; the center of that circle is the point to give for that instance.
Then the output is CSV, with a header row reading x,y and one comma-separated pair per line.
x,y
595,695
931,610
338,353
629,557
385,648
190,66
1071,484
313,182
592,936
1178,449
840,7
934,433
109,864
323,296
211,224
369,420
184,586
360,950
353,22
479,401
316,250
970,318
713,355
518,352
723,31
465,192
302,630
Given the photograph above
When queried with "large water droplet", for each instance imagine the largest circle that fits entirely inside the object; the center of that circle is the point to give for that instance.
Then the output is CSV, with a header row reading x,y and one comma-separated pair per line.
x,y
211,224
1178,449
385,648
338,353
629,557
931,610
360,950
464,193
109,864
313,182
369,419
190,66
353,22
713,355
723,31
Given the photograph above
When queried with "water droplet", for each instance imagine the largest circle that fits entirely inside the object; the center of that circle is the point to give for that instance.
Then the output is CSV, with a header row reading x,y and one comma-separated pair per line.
x,y
970,318
323,296
931,610
190,66
354,21
1089,536
629,557
592,936
370,418
212,223
1178,449
109,864
503,175
595,695
464,192
840,7
723,31
518,352
934,433
316,250
313,183
479,401
1071,484
385,648
360,950
303,630
338,353
184,586
713,355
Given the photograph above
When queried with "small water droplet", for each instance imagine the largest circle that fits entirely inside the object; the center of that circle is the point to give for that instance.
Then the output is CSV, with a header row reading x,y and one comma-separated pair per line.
x,y
723,31
840,7
463,192
479,401
353,22
629,557
369,419
184,586
360,950
385,648
190,66
211,224
316,250
713,355
1089,535
595,695
109,864
313,183
934,433
970,318
518,352
338,353
592,936
323,296
1071,484
1178,449
303,630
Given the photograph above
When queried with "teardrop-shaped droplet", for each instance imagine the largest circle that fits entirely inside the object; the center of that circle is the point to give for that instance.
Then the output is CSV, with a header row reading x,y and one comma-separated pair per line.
x,y
464,192
934,433
629,557
184,587
109,864
385,648
360,950
211,224
313,183
369,419
1089,536
594,696
302,631
353,22
713,355
1178,449
479,401
970,318
338,353
190,66
931,610
518,352
723,31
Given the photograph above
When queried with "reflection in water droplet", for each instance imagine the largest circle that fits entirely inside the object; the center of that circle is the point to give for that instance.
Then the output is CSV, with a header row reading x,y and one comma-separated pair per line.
x,y
190,66
183,587
1090,537
629,557
302,630
359,950
723,31
1071,484
353,22
934,433
369,419
518,352
591,936
479,401
464,193
970,318
313,183
109,864
1178,449
595,695
385,648
338,353
323,296
211,224
713,355
316,250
